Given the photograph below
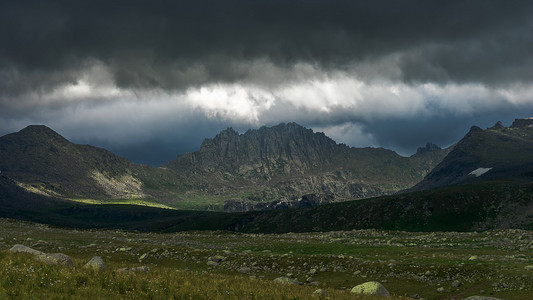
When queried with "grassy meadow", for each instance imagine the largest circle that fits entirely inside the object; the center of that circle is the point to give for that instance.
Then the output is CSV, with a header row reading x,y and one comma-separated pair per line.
x,y
227,265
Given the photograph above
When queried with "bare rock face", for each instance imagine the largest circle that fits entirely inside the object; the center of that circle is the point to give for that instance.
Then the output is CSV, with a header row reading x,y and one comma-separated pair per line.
x,y
96,263
56,259
24,249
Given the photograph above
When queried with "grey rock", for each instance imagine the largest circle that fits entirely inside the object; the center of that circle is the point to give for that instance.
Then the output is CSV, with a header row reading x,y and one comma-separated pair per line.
x,y
217,258
212,263
96,263
371,288
456,283
528,268
481,298
133,270
244,270
18,248
144,256
285,280
56,259
320,293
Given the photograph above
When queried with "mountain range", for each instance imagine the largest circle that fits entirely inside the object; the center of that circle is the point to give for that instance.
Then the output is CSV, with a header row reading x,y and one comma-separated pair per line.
x,y
484,181
277,167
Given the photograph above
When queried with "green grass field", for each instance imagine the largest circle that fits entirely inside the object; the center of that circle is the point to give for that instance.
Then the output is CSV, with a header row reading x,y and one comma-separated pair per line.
x,y
430,265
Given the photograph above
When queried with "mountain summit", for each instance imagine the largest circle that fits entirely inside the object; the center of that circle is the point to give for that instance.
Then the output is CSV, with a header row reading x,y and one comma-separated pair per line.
x,y
282,149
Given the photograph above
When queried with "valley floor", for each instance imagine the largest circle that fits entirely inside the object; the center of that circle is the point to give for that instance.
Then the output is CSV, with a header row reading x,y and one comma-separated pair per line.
x,y
227,265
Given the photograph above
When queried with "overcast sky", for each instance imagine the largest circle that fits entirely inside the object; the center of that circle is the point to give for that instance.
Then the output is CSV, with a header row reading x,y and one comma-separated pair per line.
x,y
151,79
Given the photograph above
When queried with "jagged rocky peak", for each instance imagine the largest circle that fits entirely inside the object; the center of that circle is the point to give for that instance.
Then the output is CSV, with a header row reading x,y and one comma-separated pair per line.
x,y
285,147
522,123
498,126
430,147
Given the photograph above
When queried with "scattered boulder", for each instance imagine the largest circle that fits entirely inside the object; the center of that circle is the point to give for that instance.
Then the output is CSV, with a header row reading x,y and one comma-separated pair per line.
x,y
56,259
528,268
143,257
320,293
244,270
481,298
456,283
133,270
217,258
285,280
18,248
96,263
371,288
473,257
212,263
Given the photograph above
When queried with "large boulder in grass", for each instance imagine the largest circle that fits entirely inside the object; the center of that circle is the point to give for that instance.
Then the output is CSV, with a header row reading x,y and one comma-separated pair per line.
x,y
24,249
56,259
285,280
371,288
96,263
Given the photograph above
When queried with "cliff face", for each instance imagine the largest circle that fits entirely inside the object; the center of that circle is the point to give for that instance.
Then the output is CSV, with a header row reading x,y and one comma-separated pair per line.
x,y
266,152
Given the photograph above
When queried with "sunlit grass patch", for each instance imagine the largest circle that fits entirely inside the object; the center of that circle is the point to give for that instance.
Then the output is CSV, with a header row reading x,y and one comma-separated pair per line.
x,y
132,201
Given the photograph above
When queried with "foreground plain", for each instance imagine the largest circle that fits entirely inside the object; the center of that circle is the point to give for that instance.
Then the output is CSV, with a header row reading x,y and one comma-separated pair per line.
x,y
227,265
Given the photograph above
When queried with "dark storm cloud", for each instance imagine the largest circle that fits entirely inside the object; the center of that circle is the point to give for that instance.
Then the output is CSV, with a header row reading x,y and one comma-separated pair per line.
x,y
177,44
151,79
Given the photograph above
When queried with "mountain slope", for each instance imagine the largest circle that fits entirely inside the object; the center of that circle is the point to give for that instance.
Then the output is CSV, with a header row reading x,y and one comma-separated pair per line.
x,y
497,153
283,163
44,162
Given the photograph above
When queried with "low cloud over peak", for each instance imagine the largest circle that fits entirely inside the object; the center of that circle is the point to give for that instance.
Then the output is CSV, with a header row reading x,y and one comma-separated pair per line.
x,y
127,74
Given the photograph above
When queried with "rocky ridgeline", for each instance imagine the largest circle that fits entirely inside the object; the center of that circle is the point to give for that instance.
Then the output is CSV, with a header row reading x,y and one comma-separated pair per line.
x,y
266,152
